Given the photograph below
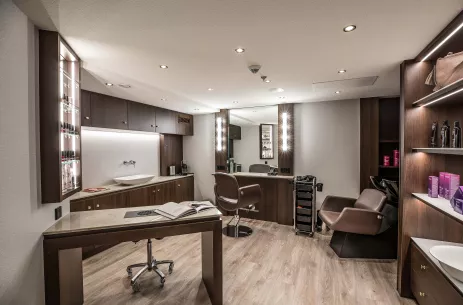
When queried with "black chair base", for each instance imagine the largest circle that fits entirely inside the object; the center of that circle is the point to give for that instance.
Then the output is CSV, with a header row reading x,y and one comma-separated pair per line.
x,y
350,245
237,231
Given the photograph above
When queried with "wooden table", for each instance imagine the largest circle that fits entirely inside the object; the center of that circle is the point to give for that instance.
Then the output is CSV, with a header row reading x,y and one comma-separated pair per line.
x,y
63,242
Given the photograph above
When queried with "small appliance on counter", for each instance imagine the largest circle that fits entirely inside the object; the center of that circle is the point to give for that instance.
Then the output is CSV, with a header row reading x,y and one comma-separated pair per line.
x,y
172,170
184,168
238,167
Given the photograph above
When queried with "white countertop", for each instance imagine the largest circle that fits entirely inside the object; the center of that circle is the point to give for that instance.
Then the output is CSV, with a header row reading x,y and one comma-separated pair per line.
x,y
440,204
262,175
119,187
114,218
425,245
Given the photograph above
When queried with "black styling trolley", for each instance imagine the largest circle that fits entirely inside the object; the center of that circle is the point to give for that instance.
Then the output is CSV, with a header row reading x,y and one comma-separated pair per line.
x,y
305,204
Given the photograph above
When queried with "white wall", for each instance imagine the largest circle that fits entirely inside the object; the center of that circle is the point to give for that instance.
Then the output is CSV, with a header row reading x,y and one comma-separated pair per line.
x,y
199,154
327,145
103,152
246,150
22,217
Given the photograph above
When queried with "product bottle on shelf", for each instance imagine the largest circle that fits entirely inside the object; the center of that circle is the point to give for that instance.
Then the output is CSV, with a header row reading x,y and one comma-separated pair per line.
x,y
456,135
445,134
434,134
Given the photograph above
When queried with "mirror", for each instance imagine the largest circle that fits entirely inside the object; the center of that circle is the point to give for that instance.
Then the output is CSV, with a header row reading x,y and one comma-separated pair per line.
x,y
252,139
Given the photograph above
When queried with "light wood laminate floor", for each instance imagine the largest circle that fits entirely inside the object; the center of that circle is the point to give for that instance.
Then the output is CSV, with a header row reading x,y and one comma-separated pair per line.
x,y
273,266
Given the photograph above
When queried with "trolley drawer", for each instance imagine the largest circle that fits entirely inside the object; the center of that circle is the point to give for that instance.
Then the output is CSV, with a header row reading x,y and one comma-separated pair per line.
x,y
302,227
301,218
303,211
304,203
304,195
304,187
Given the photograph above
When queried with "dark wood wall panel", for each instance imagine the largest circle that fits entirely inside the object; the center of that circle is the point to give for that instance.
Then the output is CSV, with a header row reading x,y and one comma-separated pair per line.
x,y
286,158
221,157
369,125
171,153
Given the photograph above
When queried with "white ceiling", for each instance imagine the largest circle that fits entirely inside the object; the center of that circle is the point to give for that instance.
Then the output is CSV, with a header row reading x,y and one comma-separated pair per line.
x,y
254,116
297,42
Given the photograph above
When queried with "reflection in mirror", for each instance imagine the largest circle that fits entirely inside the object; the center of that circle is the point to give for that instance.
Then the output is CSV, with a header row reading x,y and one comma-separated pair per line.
x,y
252,139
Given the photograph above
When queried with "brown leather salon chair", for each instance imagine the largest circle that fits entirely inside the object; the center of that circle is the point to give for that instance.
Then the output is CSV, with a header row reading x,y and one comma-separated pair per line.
x,y
361,228
230,197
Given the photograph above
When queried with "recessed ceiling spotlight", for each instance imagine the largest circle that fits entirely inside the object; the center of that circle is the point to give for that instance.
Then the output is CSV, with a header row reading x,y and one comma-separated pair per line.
x,y
125,86
109,84
342,71
350,28
337,92
163,67
235,102
210,89
279,90
239,50
265,79
163,99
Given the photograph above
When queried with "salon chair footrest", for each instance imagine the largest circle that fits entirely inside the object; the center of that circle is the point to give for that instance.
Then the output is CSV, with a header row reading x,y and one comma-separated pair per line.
x,y
237,231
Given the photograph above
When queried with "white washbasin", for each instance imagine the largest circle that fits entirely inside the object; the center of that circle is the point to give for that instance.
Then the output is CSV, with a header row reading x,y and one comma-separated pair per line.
x,y
450,258
133,180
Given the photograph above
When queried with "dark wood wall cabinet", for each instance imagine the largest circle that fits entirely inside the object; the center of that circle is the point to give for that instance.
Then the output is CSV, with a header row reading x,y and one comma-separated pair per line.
x,y
59,99
104,111
235,132
177,190
418,217
379,137
276,204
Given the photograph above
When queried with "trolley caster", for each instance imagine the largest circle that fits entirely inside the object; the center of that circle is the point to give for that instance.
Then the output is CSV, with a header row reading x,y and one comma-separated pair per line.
x,y
311,234
136,287
163,280
171,268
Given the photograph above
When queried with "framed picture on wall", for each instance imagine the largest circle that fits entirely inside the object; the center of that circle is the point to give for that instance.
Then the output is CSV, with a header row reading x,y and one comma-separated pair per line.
x,y
266,141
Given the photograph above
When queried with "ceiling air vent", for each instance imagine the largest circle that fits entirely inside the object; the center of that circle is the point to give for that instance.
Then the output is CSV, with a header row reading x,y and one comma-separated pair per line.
x,y
345,83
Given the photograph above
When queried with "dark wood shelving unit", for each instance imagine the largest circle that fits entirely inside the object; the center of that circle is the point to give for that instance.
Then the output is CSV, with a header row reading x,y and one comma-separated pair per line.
x,y
450,94
389,141
60,127
420,215
391,167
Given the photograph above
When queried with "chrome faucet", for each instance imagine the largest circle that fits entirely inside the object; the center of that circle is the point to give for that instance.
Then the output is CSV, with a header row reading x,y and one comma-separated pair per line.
x,y
131,162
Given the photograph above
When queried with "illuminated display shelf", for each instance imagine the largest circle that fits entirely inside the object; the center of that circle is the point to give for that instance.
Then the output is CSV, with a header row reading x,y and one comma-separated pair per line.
x,y
440,204
450,94
441,151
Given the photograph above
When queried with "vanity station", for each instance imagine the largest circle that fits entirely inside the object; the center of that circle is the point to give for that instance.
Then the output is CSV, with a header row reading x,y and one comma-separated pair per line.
x,y
430,283
277,197
63,242
157,191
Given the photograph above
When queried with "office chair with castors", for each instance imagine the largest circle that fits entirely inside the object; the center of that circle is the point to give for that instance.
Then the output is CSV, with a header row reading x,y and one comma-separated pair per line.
x,y
151,265
230,197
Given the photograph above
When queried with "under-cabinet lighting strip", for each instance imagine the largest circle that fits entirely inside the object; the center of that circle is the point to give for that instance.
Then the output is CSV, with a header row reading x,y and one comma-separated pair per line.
x,y
219,134
285,131
443,97
443,41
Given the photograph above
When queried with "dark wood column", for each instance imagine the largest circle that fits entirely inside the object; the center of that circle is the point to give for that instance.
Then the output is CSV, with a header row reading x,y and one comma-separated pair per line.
x,y
369,133
221,156
286,154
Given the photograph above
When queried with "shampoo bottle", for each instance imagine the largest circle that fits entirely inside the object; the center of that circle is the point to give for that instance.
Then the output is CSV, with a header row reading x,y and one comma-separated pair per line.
x,y
445,134
433,142
456,135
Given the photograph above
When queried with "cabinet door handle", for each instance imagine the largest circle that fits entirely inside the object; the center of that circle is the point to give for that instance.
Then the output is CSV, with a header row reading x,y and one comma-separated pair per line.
x,y
97,205
154,191
124,122
178,185
159,190
422,294
423,267
152,125
87,118
89,207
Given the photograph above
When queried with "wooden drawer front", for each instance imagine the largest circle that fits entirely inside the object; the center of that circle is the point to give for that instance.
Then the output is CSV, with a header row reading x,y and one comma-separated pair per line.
x,y
430,281
81,205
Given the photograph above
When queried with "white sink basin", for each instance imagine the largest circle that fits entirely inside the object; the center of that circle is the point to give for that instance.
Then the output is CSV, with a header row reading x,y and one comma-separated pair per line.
x,y
450,258
133,180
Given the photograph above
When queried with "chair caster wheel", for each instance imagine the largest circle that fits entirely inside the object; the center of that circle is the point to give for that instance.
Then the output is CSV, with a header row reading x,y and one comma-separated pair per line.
x,y
171,268
311,234
163,280
136,287
129,273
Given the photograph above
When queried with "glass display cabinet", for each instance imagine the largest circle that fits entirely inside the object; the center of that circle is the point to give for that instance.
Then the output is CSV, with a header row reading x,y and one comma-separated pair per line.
x,y
266,141
60,126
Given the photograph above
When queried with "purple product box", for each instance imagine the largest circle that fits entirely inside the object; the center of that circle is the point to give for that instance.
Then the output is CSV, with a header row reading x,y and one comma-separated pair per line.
x,y
433,186
457,200
442,184
453,183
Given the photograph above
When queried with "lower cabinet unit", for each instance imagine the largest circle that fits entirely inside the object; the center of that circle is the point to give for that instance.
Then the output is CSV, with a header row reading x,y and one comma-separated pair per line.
x,y
429,285
181,189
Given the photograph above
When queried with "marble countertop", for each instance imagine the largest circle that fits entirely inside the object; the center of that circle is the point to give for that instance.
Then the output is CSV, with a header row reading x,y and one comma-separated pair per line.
x,y
425,245
262,175
119,187
97,220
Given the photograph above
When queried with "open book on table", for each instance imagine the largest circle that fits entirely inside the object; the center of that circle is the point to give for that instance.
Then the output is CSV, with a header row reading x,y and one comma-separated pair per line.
x,y
173,210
